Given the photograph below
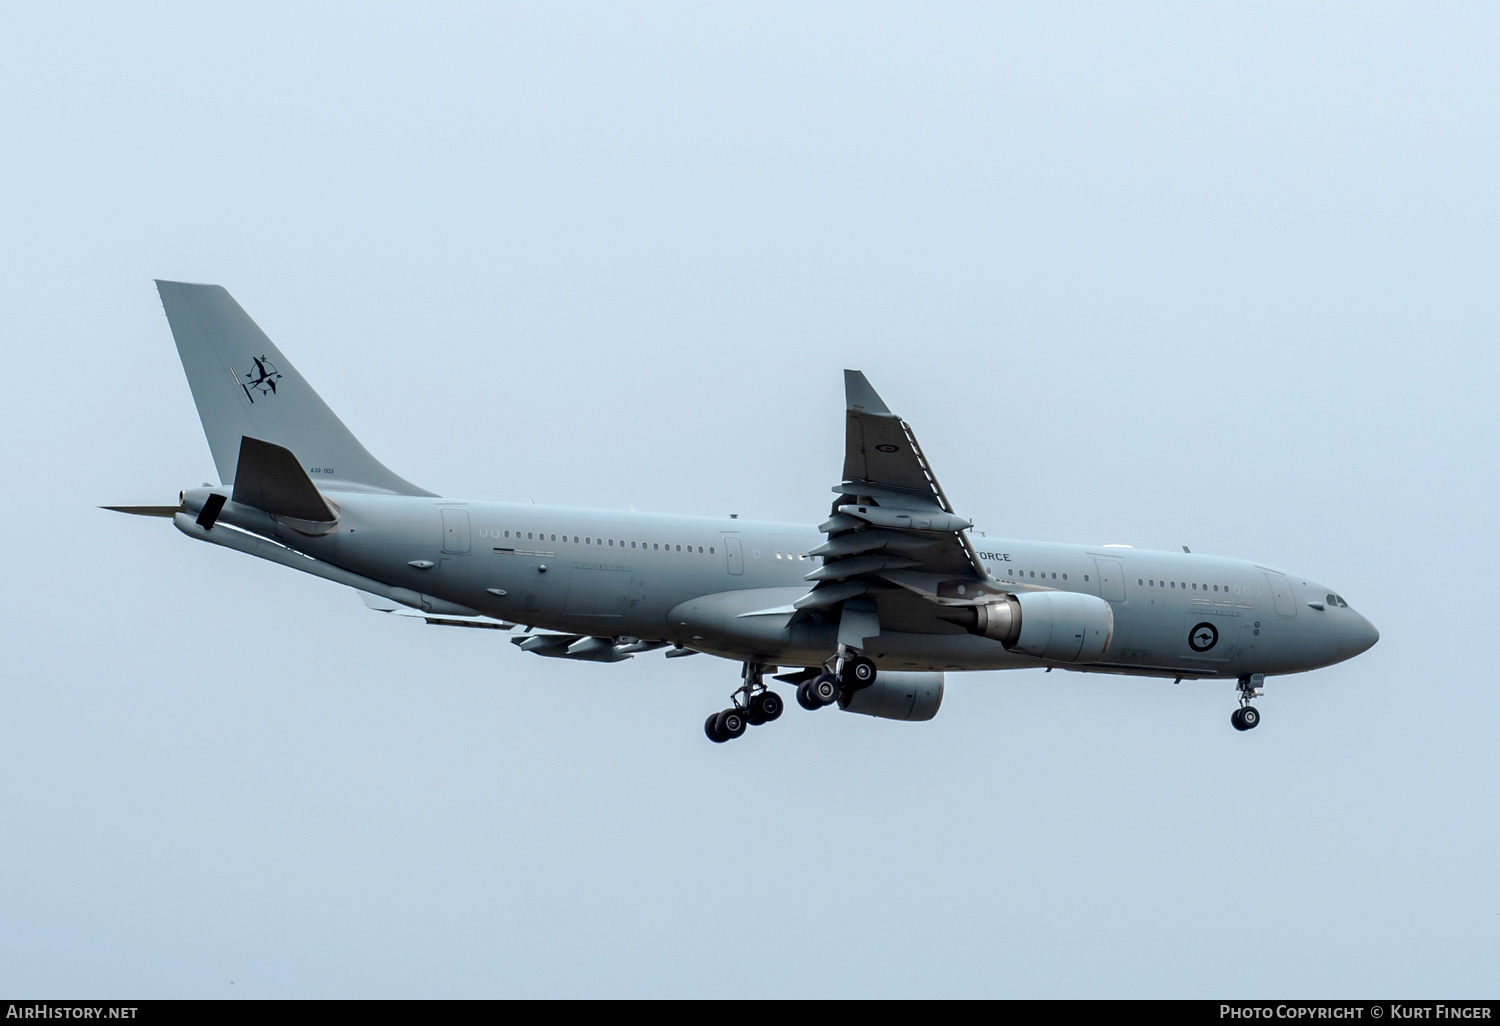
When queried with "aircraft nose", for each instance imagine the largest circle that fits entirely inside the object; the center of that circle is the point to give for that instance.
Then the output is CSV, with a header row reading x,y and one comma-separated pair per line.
x,y
1365,635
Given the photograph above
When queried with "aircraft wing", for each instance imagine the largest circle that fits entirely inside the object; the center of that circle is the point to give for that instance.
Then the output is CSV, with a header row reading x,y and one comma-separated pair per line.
x,y
892,529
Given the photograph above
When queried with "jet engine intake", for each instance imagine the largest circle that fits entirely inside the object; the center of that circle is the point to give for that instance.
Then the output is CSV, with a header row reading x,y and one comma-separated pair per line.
x,y
896,695
1057,625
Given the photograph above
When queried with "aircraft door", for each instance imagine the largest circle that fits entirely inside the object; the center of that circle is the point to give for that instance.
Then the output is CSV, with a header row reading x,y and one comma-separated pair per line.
x,y
735,553
1111,580
1281,595
455,529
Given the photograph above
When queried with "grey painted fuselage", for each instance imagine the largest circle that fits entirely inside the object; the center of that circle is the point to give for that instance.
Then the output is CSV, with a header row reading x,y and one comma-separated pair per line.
x,y
646,576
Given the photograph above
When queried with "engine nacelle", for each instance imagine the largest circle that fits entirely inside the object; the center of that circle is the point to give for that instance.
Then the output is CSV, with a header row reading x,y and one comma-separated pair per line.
x,y
1065,626
896,695
1057,625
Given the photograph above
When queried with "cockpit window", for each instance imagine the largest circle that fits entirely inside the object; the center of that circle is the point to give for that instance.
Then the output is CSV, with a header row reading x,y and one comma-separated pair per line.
x,y
1341,602
1333,600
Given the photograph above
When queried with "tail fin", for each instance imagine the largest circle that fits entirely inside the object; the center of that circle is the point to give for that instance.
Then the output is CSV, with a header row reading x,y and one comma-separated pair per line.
x,y
243,386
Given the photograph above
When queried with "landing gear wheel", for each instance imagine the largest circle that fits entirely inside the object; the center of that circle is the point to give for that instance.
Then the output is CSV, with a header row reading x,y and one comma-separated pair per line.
x,y
859,672
753,716
805,700
765,707
823,689
711,728
730,724
1249,718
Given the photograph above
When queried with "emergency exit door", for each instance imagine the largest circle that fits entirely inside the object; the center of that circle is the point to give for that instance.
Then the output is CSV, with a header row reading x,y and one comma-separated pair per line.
x,y
1111,580
455,530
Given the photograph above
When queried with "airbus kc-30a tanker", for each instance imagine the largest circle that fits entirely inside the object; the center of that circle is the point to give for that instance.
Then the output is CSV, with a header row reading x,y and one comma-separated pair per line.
x,y
867,610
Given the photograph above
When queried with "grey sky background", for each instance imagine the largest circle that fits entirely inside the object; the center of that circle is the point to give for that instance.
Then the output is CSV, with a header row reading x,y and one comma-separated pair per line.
x,y
1215,275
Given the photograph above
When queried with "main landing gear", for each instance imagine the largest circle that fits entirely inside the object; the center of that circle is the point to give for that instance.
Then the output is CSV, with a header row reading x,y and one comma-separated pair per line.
x,y
754,704
844,670
1247,717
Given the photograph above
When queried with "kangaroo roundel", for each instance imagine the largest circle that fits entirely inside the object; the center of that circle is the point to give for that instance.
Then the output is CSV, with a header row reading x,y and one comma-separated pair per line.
x,y
1203,637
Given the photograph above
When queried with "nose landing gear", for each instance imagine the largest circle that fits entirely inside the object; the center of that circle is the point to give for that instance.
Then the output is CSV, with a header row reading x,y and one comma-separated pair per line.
x,y
1247,717
753,704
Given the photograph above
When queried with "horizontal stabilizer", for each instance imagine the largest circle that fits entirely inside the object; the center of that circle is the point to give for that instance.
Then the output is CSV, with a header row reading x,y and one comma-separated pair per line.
x,y
488,625
379,603
146,511
270,478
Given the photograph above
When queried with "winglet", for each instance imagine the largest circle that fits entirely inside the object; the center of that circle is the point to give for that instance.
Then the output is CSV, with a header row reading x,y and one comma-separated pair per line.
x,y
861,397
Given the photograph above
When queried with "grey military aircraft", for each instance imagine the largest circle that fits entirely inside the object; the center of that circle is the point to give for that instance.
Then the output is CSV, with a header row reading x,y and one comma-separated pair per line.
x,y
867,610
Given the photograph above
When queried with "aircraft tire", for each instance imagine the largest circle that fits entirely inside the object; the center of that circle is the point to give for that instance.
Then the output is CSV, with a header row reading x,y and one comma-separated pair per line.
x,y
804,699
730,724
1249,718
859,672
711,728
771,706
823,689
754,717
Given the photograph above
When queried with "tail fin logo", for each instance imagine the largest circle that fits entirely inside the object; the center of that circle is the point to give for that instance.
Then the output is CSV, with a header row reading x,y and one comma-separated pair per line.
x,y
261,381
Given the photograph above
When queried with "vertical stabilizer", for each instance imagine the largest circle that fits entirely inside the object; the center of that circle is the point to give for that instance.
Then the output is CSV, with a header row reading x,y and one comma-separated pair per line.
x,y
244,386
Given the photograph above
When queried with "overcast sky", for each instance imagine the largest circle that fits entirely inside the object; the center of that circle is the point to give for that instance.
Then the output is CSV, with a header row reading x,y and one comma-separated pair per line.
x,y
1215,275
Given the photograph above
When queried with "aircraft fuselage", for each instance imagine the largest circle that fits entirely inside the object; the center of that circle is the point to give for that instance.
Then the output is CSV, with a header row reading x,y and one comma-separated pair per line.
x,y
725,586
